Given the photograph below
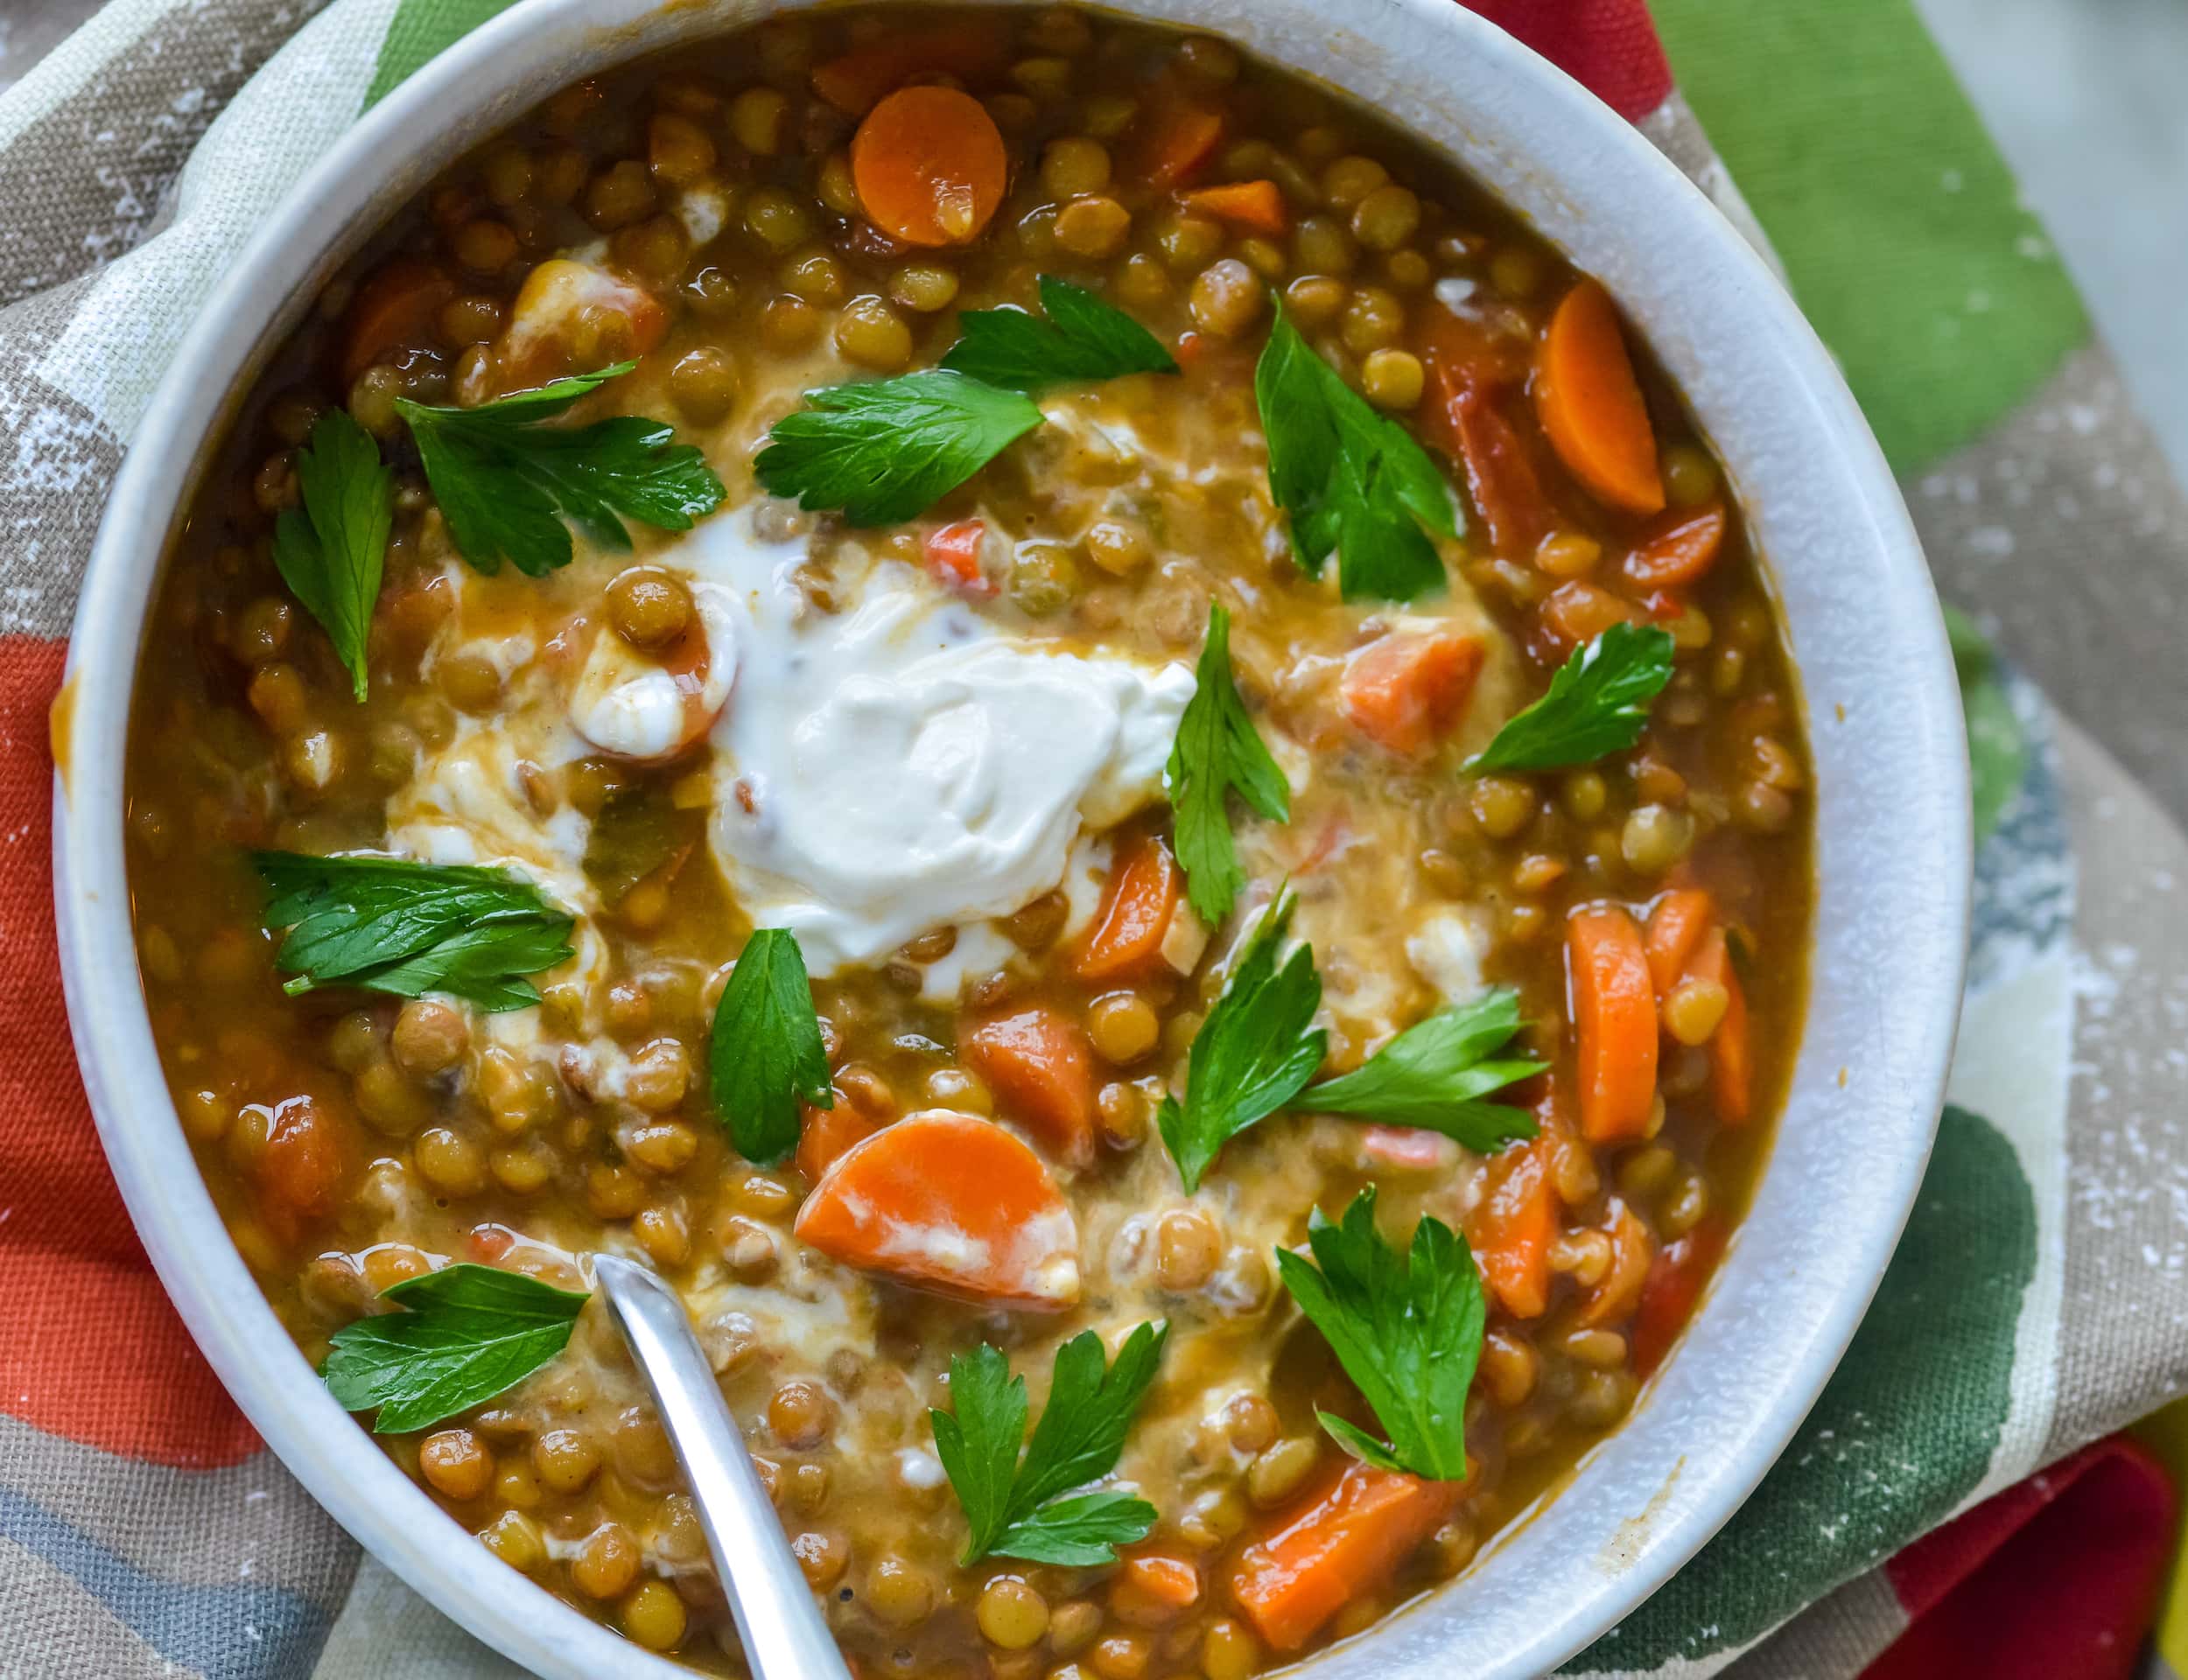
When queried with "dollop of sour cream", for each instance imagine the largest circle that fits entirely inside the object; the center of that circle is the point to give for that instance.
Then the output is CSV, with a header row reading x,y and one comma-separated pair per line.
x,y
903,765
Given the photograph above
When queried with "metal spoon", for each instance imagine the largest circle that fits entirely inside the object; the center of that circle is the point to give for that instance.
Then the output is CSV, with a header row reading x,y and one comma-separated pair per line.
x,y
784,1634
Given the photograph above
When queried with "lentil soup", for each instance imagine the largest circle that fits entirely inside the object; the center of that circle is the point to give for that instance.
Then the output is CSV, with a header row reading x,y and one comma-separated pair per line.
x,y
973,677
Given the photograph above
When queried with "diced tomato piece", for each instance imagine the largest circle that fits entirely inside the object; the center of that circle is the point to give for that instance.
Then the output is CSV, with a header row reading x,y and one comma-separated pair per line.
x,y
1468,379
1675,1281
952,553
541,341
304,1164
1407,691
1040,1068
950,1203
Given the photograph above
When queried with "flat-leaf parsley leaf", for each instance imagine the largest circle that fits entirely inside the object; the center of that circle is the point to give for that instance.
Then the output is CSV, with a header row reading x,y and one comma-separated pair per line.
x,y
387,924
1597,702
1254,1052
885,450
764,1053
469,1334
330,552
506,482
1013,1508
1351,480
1218,751
1435,1074
1082,339
1407,1329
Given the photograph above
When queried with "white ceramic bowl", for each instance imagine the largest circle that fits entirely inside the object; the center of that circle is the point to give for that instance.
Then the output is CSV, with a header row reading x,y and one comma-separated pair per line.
x,y
1891,795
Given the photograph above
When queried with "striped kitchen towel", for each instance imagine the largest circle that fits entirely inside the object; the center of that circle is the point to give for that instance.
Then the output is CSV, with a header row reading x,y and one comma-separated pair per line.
x,y
1944,1511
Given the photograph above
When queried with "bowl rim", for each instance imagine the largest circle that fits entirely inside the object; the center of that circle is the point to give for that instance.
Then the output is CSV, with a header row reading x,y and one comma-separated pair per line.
x,y
533,46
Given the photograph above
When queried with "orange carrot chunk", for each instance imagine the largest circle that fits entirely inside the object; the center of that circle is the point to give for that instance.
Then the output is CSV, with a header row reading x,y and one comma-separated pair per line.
x,y
564,302
950,1203
1338,1546
1135,916
1679,553
1591,404
853,82
825,1135
1174,140
1676,926
1256,206
929,166
952,553
1510,1229
1405,692
1040,1068
305,1164
1614,1022
1731,1055
1676,1277
399,309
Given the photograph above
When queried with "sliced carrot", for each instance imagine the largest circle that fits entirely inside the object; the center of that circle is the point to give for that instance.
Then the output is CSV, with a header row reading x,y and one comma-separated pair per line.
x,y
928,166
1510,1229
1575,614
1172,140
1613,1296
1462,415
952,553
1340,1545
1614,1022
1676,926
1674,1284
1040,1068
398,309
1731,1054
1154,1588
564,300
1144,888
1405,691
1679,553
825,1135
947,1202
1256,206
1591,403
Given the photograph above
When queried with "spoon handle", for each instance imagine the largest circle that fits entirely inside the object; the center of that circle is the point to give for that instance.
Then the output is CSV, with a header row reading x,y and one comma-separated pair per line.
x,y
784,1634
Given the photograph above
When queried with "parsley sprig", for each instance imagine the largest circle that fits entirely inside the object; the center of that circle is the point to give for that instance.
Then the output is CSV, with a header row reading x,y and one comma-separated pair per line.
x,y
1352,480
1435,1074
1407,1329
467,1334
1218,751
886,450
1081,338
1254,1052
765,1053
505,481
1597,702
386,924
1013,1507
330,552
